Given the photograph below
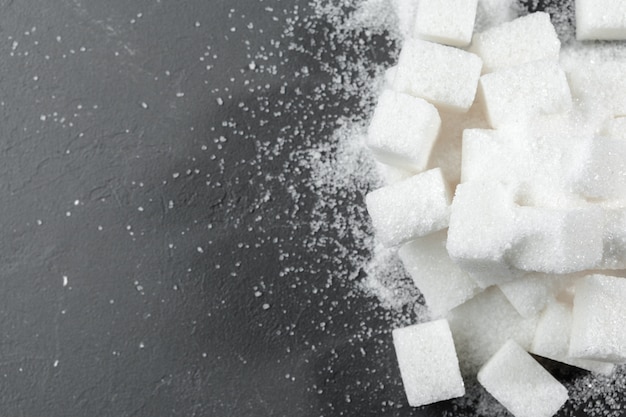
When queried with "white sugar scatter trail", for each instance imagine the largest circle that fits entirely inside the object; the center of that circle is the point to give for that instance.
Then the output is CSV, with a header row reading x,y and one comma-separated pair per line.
x,y
341,169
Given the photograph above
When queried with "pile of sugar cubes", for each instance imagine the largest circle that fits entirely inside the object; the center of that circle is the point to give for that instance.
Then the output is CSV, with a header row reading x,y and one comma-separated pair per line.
x,y
506,197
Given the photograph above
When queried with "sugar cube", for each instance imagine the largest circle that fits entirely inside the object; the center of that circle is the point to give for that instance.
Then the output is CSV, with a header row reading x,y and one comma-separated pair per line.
x,y
482,230
441,281
558,241
450,22
525,39
445,76
428,363
403,130
411,208
482,324
520,93
521,384
600,19
599,319
552,339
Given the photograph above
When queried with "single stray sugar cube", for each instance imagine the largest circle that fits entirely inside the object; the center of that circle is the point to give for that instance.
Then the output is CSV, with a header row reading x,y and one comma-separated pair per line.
x,y
521,384
428,363
445,76
450,22
411,208
520,93
599,319
526,39
600,19
403,130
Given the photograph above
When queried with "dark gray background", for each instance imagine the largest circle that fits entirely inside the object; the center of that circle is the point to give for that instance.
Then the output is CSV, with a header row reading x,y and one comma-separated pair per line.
x,y
133,163
156,214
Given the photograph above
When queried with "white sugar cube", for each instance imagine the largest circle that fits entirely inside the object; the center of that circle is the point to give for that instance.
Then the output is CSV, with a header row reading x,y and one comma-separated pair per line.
x,y
558,241
447,151
445,76
441,281
614,239
529,293
403,130
482,324
552,339
409,209
600,84
601,173
600,19
450,22
521,384
482,229
525,39
520,93
599,319
428,363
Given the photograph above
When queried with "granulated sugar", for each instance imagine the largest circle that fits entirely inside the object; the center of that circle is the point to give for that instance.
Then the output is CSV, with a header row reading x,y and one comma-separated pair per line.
x,y
364,37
